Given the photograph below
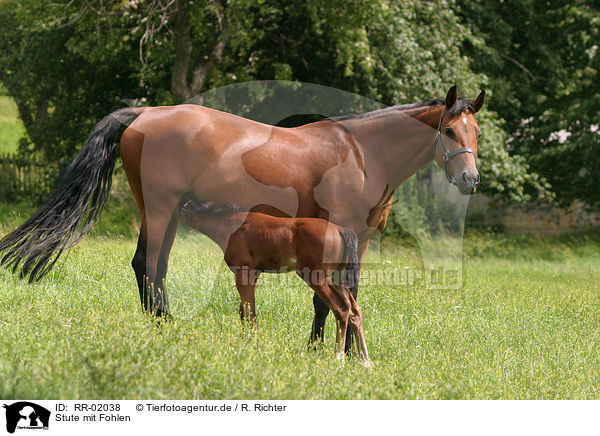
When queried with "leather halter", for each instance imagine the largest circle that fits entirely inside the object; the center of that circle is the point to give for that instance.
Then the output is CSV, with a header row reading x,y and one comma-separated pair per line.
x,y
447,155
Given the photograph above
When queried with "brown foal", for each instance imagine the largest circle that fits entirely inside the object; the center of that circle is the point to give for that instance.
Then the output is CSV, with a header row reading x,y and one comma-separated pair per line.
x,y
323,254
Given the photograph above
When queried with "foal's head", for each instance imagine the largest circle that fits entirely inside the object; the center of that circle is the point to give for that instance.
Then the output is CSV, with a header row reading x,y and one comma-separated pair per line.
x,y
455,145
193,212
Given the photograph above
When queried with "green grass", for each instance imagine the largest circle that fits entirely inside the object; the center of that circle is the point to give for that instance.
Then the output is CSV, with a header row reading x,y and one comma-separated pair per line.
x,y
11,126
525,326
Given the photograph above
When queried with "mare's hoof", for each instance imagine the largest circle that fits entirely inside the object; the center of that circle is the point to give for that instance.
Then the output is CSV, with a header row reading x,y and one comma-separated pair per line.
x,y
160,318
314,345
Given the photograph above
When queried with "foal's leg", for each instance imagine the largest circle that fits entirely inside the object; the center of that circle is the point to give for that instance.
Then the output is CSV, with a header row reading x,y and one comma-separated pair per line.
x,y
245,281
362,249
356,325
341,309
322,310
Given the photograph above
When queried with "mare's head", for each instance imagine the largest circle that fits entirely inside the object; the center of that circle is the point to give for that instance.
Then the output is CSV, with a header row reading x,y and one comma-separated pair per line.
x,y
455,146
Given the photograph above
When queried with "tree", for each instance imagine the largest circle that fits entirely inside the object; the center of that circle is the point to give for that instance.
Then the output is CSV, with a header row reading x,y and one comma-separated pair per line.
x,y
543,58
59,93
167,51
418,46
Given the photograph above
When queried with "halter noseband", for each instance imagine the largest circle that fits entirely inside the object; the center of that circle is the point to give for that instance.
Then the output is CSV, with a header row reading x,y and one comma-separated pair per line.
x,y
446,156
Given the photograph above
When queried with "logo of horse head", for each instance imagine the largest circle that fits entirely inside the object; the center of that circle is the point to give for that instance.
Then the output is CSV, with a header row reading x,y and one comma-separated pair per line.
x,y
26,415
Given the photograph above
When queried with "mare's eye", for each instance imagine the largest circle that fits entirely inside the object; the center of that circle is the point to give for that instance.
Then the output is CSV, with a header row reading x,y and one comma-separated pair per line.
x,y
479,135
449,132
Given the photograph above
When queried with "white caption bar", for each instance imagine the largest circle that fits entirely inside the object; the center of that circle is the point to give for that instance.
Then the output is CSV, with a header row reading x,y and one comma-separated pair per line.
x,y
158,417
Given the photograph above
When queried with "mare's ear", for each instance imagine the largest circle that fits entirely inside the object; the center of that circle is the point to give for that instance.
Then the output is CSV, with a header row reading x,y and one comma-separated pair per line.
x,y
451,97
478,102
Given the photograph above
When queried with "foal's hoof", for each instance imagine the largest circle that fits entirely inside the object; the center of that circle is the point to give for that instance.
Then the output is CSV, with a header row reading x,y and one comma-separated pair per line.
x,y
367,364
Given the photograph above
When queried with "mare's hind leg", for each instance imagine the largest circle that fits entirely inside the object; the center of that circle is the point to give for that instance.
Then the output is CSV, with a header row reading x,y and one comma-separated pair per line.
x,y
150,260
165,250
139,267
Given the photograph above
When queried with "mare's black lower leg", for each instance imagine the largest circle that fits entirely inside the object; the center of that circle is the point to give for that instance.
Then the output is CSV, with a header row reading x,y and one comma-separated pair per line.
x,y
321,312
161,301
153,297
139,267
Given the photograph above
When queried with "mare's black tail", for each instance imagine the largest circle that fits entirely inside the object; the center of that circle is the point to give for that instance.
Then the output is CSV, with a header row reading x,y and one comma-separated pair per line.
x,y
351,272
74,205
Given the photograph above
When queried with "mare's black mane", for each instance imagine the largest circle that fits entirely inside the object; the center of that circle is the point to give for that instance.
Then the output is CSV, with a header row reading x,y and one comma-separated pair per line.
x,y
457,108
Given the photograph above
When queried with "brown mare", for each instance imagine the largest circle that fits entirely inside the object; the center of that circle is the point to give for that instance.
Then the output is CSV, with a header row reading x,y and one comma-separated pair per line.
x,y
343,170
323,254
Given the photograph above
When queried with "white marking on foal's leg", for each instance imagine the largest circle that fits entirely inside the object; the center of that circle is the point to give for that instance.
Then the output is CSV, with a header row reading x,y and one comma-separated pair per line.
x,y
340,342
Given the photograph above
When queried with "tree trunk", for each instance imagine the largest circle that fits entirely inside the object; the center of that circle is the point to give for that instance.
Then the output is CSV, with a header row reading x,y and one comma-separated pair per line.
x,y
183,51
182,87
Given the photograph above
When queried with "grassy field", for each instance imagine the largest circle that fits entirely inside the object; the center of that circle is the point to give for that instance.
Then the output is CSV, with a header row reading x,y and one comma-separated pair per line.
x,y
11,127
525,325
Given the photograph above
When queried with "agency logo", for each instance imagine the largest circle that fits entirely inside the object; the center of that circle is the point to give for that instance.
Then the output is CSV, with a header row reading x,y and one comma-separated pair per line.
x,y
26,415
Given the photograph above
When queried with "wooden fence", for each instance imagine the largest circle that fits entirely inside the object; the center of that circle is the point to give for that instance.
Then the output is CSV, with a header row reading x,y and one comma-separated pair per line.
x,y
24,178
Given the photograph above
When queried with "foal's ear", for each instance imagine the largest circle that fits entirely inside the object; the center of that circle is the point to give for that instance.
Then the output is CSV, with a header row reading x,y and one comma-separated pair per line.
x,y
451,97
478,102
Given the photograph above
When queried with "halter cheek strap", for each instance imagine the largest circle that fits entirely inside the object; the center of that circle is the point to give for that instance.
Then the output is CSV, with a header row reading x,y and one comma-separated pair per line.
x,y
447,155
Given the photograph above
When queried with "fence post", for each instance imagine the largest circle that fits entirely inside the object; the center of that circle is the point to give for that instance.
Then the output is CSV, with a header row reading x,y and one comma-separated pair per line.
x,y
24,178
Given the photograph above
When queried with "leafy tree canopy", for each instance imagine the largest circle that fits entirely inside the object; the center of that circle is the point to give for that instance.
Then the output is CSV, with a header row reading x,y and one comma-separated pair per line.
x,y
69,63
542,60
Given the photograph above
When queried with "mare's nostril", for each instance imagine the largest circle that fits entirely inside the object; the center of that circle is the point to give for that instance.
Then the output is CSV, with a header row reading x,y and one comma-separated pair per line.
x,y
465,178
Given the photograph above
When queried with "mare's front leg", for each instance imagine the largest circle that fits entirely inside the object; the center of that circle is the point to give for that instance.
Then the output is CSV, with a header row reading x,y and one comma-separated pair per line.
x,y
318,326
245,281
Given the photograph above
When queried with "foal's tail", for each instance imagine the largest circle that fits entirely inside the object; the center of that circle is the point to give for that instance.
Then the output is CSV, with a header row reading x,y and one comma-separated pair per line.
x,y
74,205
351,272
